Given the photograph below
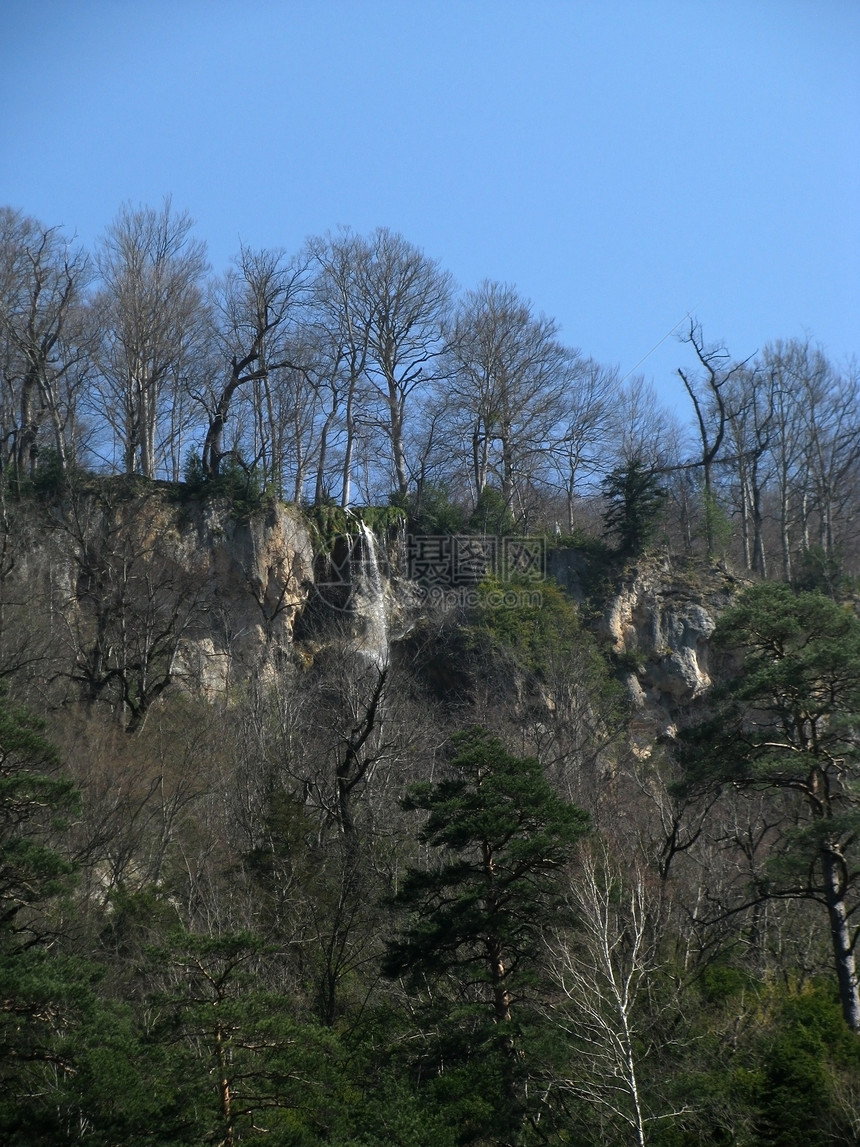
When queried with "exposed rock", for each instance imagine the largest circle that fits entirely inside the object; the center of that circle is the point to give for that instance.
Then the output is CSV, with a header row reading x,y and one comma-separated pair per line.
x,y
660,624
235,588
255,575
230,586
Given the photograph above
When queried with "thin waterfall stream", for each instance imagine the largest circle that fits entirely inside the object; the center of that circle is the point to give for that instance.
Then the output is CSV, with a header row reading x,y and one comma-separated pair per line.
x,y
369,600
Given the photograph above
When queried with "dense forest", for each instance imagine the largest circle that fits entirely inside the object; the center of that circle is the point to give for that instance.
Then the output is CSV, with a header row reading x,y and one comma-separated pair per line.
x,y
414,867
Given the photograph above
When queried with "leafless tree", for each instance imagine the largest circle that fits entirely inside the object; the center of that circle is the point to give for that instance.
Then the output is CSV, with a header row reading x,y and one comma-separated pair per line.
x,y
585,430
131,605
830,416
607,971
708,395
508,375
151,318
813,449
44,341
750,428
642,428
254,304
341,316
402,298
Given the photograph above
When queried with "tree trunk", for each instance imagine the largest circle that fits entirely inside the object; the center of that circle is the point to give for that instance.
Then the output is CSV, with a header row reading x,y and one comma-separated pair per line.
x,y
224,1092
212,452
349,449
508,478
833,865
28,429
397,449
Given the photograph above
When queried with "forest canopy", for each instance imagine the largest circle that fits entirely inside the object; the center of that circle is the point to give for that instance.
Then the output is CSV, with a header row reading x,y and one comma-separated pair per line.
x,y
355,371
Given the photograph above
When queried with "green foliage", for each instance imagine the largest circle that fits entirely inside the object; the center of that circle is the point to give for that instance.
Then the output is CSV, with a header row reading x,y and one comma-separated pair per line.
x,y
434,513
790,1075
35,798
525,621
48,1007
50,479
635,501
471,946
524,631
593,549
332,523
255,1066
721,982
808,1059
492,515
816,571
799,675
395,1112
787,723
802,652
243,487
627,660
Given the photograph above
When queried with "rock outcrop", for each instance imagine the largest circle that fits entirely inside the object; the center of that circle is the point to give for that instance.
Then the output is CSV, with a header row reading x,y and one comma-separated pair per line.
x,y
254,575
214,597
659,626
121,572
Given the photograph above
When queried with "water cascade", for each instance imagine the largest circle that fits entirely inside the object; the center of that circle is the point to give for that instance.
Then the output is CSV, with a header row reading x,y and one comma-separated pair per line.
x,y
369,601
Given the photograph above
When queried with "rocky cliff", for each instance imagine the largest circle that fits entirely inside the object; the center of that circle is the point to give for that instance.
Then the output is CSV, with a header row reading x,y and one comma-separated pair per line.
x,y
125,578
209,596
659,625
254,575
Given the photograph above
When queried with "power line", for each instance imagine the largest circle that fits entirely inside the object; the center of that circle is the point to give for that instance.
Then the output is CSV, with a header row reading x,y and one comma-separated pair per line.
x,y
654,347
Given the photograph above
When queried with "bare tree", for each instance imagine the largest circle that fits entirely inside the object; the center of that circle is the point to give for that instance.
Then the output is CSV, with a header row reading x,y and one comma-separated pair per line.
x,y
643,429
585,430
750,428
43,339
786,448
342,317
509,372
298,429
151,316
402,299
709,402
131,604
814,448
254,304
607,973
828,406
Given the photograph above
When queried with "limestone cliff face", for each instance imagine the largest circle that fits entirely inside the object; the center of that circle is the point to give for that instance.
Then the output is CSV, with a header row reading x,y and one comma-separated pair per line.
x,y
214,594
254,576
125,562
659,624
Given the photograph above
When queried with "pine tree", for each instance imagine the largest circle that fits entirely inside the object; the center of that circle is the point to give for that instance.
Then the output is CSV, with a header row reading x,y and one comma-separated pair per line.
x,y
471,948
635,500
787,723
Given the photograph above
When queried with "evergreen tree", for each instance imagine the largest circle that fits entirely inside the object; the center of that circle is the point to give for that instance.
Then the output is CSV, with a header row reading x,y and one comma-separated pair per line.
x,y
471,947
787,723
635,499
34,796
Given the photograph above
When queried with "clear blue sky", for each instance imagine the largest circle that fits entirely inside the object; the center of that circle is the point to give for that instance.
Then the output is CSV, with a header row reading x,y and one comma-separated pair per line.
x,y
622,163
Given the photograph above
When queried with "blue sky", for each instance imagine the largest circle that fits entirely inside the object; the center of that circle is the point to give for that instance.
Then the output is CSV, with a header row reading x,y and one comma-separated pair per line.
x,y
622,163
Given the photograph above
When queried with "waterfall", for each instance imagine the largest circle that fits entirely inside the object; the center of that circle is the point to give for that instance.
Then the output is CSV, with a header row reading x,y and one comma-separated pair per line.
x,y
369,601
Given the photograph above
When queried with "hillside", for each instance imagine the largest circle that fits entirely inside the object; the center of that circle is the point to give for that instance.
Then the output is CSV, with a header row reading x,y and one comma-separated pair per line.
x,y
319,829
